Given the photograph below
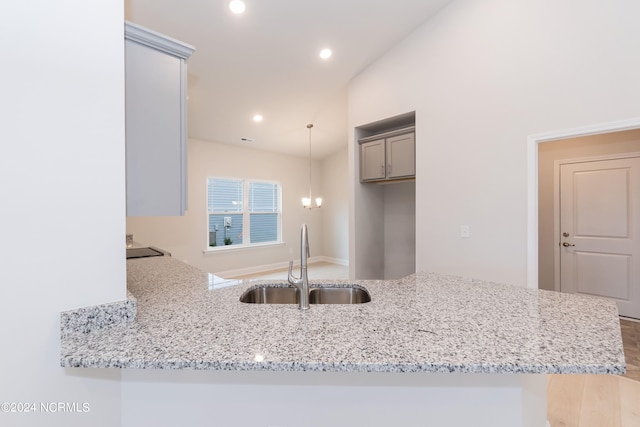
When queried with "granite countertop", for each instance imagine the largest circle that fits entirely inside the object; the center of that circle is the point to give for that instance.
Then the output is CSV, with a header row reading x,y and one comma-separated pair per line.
x,y
177,317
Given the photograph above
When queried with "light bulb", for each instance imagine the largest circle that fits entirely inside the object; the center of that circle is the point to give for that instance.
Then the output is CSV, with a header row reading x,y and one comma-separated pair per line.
x,y
237,6
325,53
306,202
318,201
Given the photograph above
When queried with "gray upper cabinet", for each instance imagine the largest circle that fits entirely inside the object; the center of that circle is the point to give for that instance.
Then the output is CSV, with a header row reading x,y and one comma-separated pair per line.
x,y
388,156
156,122
372,160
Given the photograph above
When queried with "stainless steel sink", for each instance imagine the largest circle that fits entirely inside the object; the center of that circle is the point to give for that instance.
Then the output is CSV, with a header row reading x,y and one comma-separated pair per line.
x,y
350,295
270,295
266,294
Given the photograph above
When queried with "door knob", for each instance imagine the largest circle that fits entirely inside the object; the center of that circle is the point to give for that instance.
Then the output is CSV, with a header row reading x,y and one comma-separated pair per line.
x,y
566,245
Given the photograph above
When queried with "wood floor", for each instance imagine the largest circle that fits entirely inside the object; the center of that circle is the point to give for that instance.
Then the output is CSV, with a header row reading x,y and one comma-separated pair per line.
x,y
593,401
572,400
631,342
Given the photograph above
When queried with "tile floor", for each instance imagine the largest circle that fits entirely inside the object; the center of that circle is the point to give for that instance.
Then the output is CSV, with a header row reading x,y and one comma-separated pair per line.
x,y
319,270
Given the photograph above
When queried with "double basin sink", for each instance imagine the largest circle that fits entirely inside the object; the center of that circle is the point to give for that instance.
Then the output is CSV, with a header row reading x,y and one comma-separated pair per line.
x,y
266,294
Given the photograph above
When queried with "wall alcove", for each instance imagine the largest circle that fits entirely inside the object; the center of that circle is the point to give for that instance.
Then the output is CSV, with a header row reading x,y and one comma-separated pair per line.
x,y
384,212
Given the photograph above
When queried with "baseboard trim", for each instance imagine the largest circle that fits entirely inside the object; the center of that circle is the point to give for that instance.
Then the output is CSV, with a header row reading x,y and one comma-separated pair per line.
x,y
230,274
331,260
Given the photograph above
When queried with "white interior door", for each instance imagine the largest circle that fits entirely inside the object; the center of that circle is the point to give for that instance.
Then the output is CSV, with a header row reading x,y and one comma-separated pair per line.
x,y
600,231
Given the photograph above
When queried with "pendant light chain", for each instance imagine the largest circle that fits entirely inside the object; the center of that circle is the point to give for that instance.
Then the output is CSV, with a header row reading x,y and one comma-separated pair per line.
x,y
306,203
309,126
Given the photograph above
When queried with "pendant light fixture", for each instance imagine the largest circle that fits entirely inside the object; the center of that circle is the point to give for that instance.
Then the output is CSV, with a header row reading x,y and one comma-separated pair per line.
x,y
306,201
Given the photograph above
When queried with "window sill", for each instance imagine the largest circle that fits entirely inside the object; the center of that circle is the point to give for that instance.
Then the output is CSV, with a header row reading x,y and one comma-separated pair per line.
x,y
227,248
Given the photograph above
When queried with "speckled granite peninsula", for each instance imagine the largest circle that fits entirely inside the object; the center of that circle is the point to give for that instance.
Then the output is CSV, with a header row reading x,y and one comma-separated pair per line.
x,y
186,319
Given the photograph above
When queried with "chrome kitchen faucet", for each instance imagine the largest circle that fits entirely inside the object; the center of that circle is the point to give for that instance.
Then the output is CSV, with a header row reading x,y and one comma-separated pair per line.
x,y
302,282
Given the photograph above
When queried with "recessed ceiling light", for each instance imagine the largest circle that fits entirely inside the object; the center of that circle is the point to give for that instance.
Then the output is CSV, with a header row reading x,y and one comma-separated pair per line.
x,y
237,6
257,118
325,53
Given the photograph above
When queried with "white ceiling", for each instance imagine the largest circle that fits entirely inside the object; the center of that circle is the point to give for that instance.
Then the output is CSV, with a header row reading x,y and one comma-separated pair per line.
x,y
266,61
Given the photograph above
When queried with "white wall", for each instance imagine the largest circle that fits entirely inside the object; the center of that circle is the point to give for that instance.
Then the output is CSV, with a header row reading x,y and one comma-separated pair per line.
x,y
186,237
62,176
571,148
335,206
481,76
292,399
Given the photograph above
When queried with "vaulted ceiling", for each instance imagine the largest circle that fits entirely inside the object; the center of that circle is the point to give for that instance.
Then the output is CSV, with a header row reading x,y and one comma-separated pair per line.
x,y
266,62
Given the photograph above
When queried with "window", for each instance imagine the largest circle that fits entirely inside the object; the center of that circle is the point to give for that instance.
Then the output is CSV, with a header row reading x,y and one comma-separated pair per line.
x,y
243,212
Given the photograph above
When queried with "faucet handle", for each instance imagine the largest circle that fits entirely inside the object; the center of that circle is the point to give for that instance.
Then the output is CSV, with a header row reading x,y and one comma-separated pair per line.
x,y
290,277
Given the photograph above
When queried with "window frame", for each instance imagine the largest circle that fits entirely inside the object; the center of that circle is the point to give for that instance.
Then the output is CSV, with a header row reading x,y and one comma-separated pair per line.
x,y
246,215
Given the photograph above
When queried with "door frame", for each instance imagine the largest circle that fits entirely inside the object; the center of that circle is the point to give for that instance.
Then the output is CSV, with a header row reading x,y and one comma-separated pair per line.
x,y
532,180
556,203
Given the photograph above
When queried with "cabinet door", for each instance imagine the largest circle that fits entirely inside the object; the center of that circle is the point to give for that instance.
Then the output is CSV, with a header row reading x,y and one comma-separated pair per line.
x,y
401,157
372,160
154,141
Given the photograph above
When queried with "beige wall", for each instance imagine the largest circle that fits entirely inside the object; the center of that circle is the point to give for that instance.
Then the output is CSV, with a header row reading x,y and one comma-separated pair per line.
x,y
186,237
482,76
399,229
548,153
335,208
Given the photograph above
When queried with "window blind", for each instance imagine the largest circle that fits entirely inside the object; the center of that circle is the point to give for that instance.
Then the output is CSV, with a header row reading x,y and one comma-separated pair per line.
x,y
225,195
252,204
263,212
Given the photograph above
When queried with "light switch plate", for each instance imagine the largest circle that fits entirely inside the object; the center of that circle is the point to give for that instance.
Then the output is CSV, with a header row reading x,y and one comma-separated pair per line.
x,y
465,232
